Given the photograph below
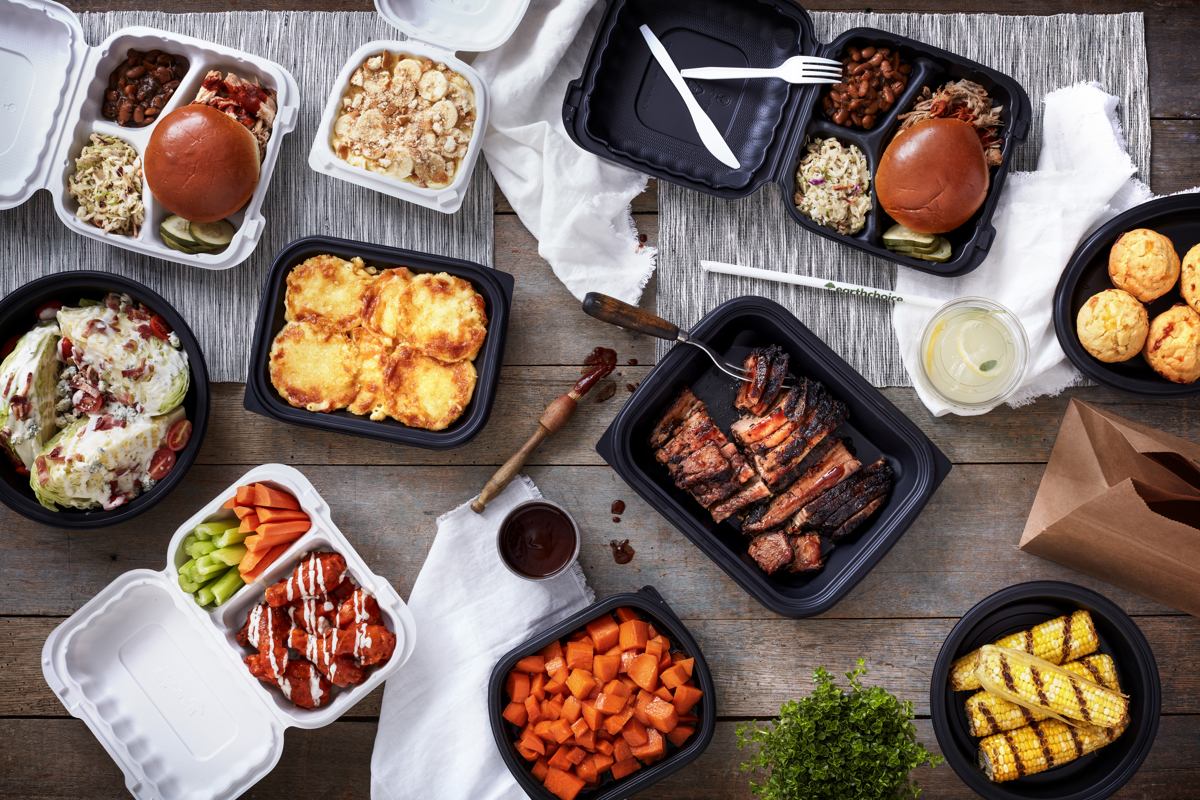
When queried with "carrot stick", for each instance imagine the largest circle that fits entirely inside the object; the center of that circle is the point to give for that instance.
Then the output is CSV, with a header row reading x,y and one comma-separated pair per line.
x,y
266,496
264,541
269,558
279,528
268,514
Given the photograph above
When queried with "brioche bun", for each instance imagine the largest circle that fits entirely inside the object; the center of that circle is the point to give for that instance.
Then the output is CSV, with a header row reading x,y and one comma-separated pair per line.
x,y
933,177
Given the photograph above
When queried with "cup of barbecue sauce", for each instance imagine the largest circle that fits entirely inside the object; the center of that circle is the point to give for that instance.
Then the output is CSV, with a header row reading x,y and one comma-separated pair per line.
x,y
538,540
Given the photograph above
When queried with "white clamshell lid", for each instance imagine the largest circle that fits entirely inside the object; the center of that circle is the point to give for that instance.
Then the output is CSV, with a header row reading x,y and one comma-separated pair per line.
x,y
456,25
41,54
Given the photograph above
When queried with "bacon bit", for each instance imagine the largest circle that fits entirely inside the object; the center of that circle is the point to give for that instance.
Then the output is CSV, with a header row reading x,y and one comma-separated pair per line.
x,y
21,407
131,345
144,331
94,326
8,386
113,502
136,372
43,472
140,314
108,422
122,471
113,302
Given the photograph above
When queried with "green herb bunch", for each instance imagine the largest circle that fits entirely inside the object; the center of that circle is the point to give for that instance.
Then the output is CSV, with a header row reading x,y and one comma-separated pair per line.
x,y
834,745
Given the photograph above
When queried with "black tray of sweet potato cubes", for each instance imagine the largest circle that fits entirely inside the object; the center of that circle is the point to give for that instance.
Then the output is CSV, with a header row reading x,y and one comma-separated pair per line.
x,y
623,107
651,607
495,287
875,428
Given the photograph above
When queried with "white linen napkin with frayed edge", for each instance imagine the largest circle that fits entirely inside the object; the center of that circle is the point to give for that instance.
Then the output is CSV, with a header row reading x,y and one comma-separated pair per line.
x,y
574,203
435,738
1083,179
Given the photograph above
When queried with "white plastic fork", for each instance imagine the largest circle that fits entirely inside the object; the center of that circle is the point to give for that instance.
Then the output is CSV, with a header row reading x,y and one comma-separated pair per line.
x,y
797,69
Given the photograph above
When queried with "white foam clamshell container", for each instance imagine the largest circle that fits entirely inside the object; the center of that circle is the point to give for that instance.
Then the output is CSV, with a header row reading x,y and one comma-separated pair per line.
x,y
436,29
161,683
50,106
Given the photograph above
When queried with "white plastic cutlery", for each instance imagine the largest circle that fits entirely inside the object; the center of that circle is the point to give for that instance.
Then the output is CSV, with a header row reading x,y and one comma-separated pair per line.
x,y
797,69
704,126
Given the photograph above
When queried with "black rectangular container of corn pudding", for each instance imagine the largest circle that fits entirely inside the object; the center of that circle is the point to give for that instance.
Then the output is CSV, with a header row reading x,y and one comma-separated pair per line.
x,y
875,428
495,287
651,607
623,107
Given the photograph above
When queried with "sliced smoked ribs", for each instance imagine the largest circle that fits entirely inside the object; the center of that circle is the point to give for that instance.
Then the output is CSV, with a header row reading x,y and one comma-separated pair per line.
x,y
793,483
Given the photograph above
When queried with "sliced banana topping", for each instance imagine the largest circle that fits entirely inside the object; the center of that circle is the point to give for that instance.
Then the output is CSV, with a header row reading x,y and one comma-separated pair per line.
x,y
433,85
407,70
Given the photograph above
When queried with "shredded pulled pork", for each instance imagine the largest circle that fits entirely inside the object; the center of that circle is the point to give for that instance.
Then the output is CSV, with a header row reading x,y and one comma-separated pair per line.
x,y
246,101
966,101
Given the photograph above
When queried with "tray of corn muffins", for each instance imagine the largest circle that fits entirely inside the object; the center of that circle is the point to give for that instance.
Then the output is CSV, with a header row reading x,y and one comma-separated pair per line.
x,y
1045,690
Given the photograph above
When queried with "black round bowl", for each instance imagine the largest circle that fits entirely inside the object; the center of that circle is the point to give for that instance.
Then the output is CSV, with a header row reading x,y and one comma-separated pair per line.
x,y
16,317
1177,218
1098,774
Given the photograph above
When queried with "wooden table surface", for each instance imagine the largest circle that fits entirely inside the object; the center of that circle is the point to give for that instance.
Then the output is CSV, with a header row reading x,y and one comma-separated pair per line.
x,y
386,498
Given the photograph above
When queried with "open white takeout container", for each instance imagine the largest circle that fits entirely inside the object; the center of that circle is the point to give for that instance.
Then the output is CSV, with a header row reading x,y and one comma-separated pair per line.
x,y
160,680
436,29
51,88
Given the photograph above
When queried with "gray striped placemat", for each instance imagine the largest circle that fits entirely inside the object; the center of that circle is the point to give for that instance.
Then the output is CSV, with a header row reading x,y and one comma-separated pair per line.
x,y
221,306
1042,53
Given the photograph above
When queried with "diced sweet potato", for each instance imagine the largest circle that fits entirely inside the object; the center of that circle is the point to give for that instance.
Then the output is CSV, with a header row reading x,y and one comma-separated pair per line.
x,y
531,741
563,785
615,650
635,733
619,688
664,693
640,706
561,730
592,715
621,750
603,761
586,740
653,630
559,759
680,734
542,729
605,746
527,754
575,755
552,650
627,657
595,692
628,681
627,767
654,647
538,687
687,665
579,655
572,709
517,686
533,710
634,635
531,664
685,697
515,713
673,676
540,769
644,671
586,770
554,687
580,683
605,633
688,719
605,667
616,723
551,708
664,661
579,726
609,703
662,714
624,614
654,748
556,665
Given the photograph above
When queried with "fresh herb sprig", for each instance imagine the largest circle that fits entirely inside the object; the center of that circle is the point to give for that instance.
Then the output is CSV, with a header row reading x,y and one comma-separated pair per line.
x,y
833,745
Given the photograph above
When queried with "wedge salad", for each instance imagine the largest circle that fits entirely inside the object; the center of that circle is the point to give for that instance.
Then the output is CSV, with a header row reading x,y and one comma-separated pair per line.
x,y
91,402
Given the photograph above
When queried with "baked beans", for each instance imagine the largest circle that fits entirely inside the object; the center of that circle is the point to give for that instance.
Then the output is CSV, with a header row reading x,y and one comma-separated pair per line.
x,y
140,87
873,79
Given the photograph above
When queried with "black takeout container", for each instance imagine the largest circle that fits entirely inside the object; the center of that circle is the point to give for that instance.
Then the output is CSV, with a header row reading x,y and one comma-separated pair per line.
x,y
16,317
623,107
652,608
1094,776
875,427
494,286
1177,218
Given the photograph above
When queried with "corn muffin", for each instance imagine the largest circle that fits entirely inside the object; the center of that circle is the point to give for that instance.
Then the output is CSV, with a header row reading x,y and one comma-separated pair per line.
x,y
1173,345
1189,284
1112,326
1143,263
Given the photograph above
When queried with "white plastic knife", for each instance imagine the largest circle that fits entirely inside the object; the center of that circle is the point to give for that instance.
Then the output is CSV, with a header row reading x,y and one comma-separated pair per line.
x,y
704,126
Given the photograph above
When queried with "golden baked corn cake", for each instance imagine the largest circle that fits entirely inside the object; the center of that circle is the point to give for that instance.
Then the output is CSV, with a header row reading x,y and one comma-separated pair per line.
x,y
423,392
329,287
374,350
438,314
381,307
314,365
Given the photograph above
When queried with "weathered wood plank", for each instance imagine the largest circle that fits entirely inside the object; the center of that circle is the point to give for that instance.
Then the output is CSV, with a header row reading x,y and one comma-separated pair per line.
x,y
953,556
1174,154
757,664
644,203
548,325
59,759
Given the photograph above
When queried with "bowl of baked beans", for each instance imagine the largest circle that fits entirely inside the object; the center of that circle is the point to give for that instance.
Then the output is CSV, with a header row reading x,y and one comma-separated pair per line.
x,y
873,78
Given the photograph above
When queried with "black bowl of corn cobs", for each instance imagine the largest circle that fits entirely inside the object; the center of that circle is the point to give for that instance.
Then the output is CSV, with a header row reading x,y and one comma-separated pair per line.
x,y
1004,750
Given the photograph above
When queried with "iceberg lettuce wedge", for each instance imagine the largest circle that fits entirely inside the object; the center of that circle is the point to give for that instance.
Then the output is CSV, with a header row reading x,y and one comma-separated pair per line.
x,y
27,379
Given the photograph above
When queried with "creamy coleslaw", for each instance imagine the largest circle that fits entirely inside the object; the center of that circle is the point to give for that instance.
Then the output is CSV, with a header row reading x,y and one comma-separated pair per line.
x,y
833,185
107,184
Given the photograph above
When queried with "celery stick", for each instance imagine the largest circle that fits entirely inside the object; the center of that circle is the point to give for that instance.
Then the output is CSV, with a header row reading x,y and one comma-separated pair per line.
x,y
187,584
230,556
231,536
228,586
201,534
189,570
188,541
202,548
204,595
208,566
211,530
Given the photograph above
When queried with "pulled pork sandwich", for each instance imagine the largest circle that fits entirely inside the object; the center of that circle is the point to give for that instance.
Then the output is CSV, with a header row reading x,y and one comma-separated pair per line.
x,y
963,100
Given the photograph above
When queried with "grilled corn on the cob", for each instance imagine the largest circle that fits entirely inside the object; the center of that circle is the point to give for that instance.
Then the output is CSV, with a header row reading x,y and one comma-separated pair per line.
x,y
988,714
1037,684
1040,746
1057,641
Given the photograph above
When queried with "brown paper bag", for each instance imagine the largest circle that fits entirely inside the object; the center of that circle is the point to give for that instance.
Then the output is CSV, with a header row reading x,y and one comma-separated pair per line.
x,y
1121,502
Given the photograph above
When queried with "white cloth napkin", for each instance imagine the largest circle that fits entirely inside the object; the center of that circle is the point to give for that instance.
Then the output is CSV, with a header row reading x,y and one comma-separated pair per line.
x,y
435,739
574,203
1084,178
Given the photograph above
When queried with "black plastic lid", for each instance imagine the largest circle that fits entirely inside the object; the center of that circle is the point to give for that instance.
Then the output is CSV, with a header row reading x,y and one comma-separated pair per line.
x,y
494,286
1092,777
876,429
765,122
1177,218
650,604
16,317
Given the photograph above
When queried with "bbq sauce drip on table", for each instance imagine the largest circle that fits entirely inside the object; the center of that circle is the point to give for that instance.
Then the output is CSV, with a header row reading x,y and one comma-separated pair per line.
x,y
618,507
622,552
538,541
599,363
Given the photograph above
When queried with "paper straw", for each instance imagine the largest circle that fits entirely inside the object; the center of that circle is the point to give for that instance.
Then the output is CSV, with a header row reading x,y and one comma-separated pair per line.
x,y
821,283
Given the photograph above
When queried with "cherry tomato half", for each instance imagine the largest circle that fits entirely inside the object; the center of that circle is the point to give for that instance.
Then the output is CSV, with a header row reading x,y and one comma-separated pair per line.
x,y
9,346
47,311
65,348
161,463
177,437
88,404
159,327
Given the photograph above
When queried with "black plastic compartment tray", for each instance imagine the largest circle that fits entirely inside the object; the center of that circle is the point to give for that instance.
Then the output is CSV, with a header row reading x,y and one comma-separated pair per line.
x,y
1092,777
876,427
624,109
494,286
1177,218
16,317
649,603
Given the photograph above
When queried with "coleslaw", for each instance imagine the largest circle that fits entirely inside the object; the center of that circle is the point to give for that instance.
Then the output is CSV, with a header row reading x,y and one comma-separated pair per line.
x,y
833,185
107,184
